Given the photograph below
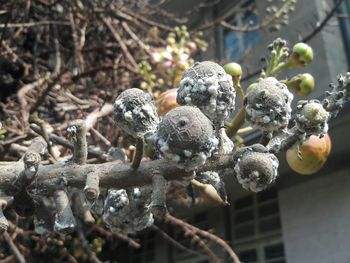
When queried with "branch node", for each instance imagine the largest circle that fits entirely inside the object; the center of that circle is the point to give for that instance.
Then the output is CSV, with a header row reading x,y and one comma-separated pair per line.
x,y
92,190
64,220
158,197
77,131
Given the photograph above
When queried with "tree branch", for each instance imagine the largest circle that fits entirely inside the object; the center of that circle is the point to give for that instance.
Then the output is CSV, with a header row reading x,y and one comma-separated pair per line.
x,y
111,175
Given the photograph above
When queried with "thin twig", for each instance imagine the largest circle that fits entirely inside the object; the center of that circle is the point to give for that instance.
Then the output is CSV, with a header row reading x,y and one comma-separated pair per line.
x,y
15,251
119,39
61,141
138,153
194,238
172,241
208,235
85,244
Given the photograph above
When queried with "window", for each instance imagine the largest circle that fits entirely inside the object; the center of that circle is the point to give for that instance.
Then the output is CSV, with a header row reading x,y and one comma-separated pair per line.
x,y
257,228
235,43
263,254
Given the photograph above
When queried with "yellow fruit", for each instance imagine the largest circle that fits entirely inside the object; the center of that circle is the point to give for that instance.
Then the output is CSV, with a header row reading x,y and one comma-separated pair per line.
x,y
314,153
167,101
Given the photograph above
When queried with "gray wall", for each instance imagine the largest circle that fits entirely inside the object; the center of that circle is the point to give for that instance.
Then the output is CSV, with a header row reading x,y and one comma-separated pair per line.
x,y
316,220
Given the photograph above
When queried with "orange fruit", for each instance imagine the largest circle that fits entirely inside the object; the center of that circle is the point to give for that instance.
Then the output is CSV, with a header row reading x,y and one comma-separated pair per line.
x,y
166,101
314,153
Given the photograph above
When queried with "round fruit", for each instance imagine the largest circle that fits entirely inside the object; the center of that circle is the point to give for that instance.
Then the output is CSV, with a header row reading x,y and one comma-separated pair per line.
x,y
307,84
233,69
302,84
302,54
314,153
166,101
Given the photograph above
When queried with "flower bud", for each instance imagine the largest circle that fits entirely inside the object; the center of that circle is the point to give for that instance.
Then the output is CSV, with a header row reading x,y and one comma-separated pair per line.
x,y
192,46
301,84
170,40
302,54
233,69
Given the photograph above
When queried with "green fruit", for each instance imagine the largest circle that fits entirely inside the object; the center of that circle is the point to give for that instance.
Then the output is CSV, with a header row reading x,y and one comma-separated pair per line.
x,y
314,153
251,87
233,69
307,84
302,84
302,54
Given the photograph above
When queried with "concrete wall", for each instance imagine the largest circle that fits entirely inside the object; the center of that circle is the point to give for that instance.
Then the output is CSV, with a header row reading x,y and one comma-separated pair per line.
x,y
316,220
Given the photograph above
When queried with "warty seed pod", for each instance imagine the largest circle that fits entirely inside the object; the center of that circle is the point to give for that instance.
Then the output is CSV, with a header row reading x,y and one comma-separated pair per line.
x,y
135,112
268,105
255,167
207,86
186,136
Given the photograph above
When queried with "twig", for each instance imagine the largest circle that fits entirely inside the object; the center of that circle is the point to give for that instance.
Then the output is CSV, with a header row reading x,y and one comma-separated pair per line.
x,y
75,42
172,241
158,197
147,20
31,160
85,244
64,220
77,130
136,38
61,141
323,23
118,38
31,24
138,153
35,118
208,235
100,137
91,189
131,243
18,255
93,117
194,238
21,93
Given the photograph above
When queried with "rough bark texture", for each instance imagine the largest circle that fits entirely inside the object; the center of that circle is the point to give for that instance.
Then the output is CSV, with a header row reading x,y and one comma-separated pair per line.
x,y
111,175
